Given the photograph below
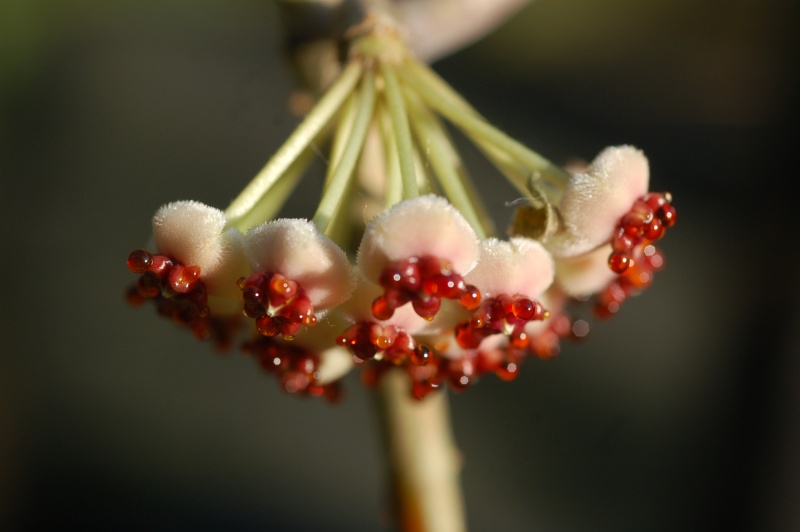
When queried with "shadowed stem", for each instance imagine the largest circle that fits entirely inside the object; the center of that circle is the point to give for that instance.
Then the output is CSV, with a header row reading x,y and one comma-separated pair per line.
x,y
423,458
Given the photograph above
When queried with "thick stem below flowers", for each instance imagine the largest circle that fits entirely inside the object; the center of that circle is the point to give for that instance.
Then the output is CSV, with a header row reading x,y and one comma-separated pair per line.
x,y
423,458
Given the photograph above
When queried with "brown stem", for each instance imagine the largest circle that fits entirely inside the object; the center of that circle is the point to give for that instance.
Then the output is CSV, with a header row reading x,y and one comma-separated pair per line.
x,y
423,458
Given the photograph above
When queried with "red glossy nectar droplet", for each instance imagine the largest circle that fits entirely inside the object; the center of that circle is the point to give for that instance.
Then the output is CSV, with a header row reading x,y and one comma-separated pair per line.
x,y
139,261
267,326
523,308
654,230
471,299
427,308
654,200
421,356
619,262
182,279
381,309
465,336
622,241
667,213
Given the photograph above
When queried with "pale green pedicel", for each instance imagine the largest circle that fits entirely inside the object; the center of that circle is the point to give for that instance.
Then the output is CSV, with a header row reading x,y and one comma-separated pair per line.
x,y
298,141
332,199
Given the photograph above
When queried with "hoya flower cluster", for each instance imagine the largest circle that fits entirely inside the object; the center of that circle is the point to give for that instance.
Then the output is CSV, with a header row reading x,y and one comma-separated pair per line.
x,y
425,286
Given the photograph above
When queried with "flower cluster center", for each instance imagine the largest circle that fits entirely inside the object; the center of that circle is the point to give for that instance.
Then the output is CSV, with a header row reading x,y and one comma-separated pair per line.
x,y
500,315
390,343
423,281
279,305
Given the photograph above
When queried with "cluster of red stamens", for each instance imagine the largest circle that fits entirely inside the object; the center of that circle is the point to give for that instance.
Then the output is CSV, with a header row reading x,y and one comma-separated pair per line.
x,y
458,374
279,305
367,340
500,315
177,291
423,281
295,367
647,221
636,278
635,258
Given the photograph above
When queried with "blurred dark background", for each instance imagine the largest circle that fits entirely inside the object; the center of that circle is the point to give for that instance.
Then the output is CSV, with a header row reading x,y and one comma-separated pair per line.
x,y
682,413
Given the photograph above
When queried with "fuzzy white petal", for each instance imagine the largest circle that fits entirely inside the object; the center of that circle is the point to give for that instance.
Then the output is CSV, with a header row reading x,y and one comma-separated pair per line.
x,y
520,266
222,280
427,225
191,232
585,274
429,26
296,249
594,201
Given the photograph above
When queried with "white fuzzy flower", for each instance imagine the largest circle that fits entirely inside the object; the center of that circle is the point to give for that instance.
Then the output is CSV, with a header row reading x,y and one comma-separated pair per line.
x,y
585,274
424,226
520,266
594,201
295,249
194,234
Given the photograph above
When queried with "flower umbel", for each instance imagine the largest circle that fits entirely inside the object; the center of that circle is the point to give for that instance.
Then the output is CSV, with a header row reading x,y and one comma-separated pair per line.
x,y
429,289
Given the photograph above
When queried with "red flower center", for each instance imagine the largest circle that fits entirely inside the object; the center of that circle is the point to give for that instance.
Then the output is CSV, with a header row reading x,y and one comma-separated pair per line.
x,y
423,281
279,305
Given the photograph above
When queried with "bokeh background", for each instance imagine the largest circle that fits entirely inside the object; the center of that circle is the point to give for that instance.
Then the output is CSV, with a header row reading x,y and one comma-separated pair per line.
x,y
682,413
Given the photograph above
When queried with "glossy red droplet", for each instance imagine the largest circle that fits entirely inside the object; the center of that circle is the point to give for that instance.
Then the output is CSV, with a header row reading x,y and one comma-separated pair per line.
x,y
422,281
523,309
427,308
654,230
619,262
654,200
267,326
381,309
421,356
622,241
182,279
139,261
471,299
667,214
161,265
466,337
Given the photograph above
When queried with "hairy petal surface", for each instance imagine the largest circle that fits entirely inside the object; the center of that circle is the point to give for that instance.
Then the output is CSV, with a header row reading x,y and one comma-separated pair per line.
x,y
519,266
424,226
297,250
595,200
